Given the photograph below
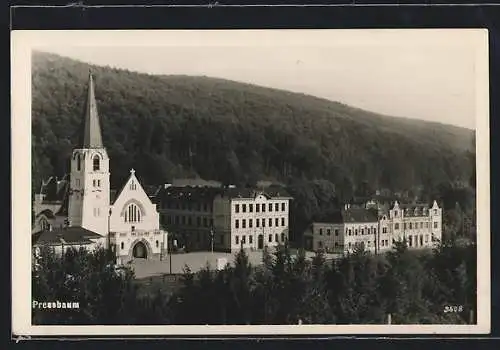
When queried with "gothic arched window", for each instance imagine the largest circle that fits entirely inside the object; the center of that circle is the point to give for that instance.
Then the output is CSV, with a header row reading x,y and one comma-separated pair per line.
x,y
78,163
97,162
133,213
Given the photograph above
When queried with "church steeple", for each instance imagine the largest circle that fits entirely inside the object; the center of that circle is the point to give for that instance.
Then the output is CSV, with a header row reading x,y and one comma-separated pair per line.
x,y
91,136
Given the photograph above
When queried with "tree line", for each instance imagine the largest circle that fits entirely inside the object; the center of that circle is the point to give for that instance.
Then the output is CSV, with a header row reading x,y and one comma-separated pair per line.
x,y
414,287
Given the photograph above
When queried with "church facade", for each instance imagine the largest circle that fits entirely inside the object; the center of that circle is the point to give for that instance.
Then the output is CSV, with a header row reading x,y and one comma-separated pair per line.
x,y
129,223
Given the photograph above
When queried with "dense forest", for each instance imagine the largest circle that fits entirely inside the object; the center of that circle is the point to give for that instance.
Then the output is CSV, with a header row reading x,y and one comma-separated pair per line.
x,y
414,287
175,126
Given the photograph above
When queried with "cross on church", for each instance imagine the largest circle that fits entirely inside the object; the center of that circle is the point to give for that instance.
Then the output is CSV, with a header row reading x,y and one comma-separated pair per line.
x,y
132,171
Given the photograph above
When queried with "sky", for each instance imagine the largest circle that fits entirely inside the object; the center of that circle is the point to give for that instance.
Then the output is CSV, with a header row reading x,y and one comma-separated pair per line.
x,y
421,74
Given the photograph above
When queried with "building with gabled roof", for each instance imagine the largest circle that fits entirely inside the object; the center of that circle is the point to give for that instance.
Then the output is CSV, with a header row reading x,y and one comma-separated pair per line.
x,y
84,202
376,227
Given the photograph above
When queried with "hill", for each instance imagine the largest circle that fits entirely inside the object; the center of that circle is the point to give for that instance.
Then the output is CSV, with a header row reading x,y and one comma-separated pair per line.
x,y
173,126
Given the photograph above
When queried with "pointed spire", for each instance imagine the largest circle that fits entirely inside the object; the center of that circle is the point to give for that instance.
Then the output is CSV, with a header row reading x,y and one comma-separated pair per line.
x,y
91,137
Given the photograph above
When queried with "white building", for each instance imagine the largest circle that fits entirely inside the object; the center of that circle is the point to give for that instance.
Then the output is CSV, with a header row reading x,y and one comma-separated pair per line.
x,y
376,230
251,219
129,223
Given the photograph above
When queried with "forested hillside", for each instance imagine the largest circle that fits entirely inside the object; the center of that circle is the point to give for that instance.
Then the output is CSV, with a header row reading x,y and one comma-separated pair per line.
x,y
172,126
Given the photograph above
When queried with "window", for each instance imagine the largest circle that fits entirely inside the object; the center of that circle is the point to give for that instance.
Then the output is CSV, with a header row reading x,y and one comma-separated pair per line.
x,y
243,239
237,223
362,231
270,222
328,232
157,244
410,241
350,232
396,226
132,213
98,183
395,213
78,163
282,206
426,238
276,238
282,221
244,208
132,228
257,207
356,232
435,224
421,225
263,222
404,226
250,208
205,222
349,245
435,211
177,220
426,225
421,240
250,239
384,229
263,208
250,223
237,239
257,221
276,207
282,236
243,223
93,183
321,232
276,222
270,238
97,163
133,186
336,244
270,207
236,208
122,245
336,232
410,225
77,182
375,230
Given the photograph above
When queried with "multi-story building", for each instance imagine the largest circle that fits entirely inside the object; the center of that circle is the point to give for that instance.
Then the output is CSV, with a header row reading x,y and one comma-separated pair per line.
x,y
376,228
251,219
342,232
224,218
187,211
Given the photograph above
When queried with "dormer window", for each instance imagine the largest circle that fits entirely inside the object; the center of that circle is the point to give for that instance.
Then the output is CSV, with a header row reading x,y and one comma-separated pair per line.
x,y
395,213
96,163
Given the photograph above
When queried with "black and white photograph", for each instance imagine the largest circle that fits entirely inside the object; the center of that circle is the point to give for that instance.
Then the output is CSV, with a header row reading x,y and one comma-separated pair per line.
x,y
251,182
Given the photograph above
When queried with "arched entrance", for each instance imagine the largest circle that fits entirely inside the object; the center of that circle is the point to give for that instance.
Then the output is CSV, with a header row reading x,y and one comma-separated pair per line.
x,y
260,242
140,251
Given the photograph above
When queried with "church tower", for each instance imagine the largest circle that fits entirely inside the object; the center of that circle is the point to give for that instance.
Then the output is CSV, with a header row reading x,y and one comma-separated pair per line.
x,y
89,181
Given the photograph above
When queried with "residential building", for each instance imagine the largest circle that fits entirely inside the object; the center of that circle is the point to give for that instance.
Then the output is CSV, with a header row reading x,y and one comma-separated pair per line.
x,y
376,227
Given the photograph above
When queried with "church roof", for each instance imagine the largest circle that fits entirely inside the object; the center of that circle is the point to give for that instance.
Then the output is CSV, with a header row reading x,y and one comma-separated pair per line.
x,y
67,235
91,134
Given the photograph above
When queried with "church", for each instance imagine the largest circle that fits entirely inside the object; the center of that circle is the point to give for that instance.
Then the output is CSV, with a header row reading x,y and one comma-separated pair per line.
x,y
82,210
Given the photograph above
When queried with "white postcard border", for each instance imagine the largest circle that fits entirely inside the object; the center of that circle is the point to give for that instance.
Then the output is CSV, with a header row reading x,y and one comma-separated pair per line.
x,y
22,44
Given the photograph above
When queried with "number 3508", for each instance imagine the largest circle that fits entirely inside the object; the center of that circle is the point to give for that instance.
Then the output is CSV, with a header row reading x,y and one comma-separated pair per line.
x,y
453,308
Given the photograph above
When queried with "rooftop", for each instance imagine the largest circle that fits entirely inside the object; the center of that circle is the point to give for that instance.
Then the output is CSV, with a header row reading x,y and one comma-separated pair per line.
x,y
68,235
